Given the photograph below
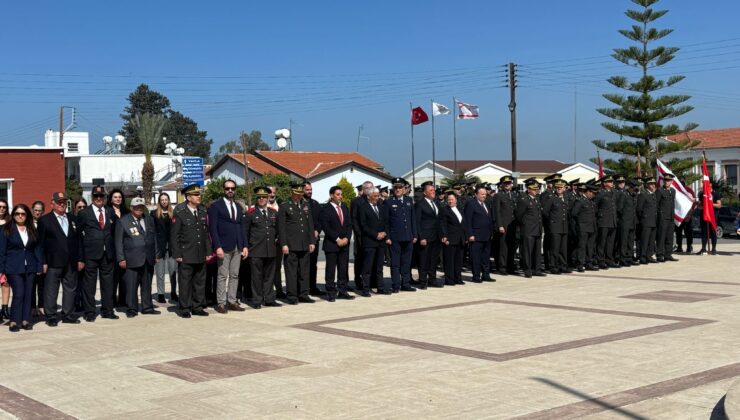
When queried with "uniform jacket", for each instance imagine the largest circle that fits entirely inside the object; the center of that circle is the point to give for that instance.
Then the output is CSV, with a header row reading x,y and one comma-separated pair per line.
x,y
503,208
555,210
606,209
189,238
400,219
16,258
666,198
135,245
295,225
427,221
584,215
451,228
95,242
625,209
60,250
369,224
477,221
261,232
226,232
529,216
647,208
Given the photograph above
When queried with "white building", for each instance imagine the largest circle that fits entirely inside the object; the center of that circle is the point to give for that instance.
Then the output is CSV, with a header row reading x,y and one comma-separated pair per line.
x,y
722,148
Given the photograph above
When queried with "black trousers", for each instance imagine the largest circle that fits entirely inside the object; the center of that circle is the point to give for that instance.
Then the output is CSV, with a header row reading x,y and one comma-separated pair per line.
x,y
297,273
278,277
192,285
372,267
359,253
67,277
506,249
244,288
119,286
664,240
531,253
626,243
585,248
428,259
546,254
647,242
313,267
453,257
685,230
263,272
211,284
558,251
37,293
401,253
707,231
605,245
102,267
138,279
337,263
480,252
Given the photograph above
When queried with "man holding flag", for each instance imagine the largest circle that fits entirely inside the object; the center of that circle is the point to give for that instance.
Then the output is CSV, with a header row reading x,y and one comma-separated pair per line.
x,y
666,206
710,201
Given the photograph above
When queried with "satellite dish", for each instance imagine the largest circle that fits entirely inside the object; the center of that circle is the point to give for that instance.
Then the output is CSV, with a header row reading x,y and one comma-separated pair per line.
x,y
180,151
278,133
282,143
121,139
107,139
285,133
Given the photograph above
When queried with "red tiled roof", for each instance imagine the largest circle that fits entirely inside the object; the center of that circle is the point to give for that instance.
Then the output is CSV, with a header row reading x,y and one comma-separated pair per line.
x,y
526,166
712,139
311,164
256,164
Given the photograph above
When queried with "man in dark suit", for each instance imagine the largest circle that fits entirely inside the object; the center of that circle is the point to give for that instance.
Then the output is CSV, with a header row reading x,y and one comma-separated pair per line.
x,y
97,252
191,246
452,232
504,205
227,237
136,249
297,242
313,262
260,225
479,221
555,210
363,191
427,224
337,225
529,216
398,212
647,214
666,207
370,219
606,220
625,204
58,239
584,220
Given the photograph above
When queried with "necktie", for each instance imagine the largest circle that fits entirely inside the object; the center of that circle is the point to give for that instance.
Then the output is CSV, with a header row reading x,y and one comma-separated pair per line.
x,y
233,212
434,207
101,221
63,221
141,225
339,213
264,213
195,213
484,206
375,209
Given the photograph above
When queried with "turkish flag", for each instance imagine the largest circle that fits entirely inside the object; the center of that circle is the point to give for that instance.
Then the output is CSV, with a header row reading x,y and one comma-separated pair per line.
x,y
418,116
707,202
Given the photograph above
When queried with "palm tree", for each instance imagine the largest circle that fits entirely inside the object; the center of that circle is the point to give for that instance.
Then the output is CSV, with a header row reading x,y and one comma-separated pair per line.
x,y
459,177
149,128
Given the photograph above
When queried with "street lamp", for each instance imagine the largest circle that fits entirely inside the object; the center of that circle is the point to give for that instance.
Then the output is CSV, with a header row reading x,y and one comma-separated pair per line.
x,y
175,153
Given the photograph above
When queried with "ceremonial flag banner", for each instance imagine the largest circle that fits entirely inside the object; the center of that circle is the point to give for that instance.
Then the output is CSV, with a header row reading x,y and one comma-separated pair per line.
x,y
706,199
418,116
439,109
601,166
467,111
684,199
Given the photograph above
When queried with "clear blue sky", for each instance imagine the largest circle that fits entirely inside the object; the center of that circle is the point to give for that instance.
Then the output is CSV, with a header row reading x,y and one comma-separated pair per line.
x,y
332,66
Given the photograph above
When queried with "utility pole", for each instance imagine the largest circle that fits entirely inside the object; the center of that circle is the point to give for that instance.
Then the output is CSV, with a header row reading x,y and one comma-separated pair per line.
x,y
575,121
61,125
512,109
359,134
245,145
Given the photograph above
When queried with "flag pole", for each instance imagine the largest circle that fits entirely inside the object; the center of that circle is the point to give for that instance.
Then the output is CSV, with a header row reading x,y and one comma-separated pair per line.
x,y
706,222
454,133
413,167
434,159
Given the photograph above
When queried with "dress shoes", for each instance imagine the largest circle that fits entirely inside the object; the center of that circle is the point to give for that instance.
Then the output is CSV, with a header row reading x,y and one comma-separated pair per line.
x,y
652,260
70,320
331,298
540,274
364,293
581,269
347,296
436,285
110,316
27,327
317,292
408,289
200,312
281,295
52,322
161,299
554,271
414,283
185,315
566,271
449,283
14,328
603,266
671,259
421,287
395,290
661,259
460,282
273,304
131,314
90,317
305,299
150,312
257,306
527,275
293,301
222,309
383,292
476,280
235,307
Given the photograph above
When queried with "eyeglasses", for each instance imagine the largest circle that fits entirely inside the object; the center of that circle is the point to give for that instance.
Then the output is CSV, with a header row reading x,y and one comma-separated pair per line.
x,y
229,189
81,207
3,207
19,214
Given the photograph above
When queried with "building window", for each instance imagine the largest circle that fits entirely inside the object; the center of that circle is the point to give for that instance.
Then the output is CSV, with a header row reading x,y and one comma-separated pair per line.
x,y
730,175
73,147
6,191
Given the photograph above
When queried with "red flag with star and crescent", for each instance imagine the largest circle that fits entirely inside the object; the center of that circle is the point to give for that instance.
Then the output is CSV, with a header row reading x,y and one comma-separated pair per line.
x,y
418,116
707,202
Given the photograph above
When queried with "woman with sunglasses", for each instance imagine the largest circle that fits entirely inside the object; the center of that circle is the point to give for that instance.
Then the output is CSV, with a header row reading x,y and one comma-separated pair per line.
x,y
117,203
20,261
162,216
4,285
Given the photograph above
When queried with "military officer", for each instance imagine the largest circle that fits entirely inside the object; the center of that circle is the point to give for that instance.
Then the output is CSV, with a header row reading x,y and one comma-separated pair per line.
x,y
260,225
584,219
191,245
625,204
544,197
571,195
647,214
666,197
505,226
297,242
606,220
555,211
529,216
398,213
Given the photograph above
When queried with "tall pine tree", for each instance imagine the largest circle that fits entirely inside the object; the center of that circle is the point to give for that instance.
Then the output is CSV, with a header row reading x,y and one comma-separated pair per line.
x,y
639,114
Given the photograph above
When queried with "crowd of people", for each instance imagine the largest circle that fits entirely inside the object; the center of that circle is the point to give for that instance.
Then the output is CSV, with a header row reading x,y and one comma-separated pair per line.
x,y
229,253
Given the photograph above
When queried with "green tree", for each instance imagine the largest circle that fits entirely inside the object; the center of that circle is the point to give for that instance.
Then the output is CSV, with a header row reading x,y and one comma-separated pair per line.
x,y
73,188
142,101
348,191
148,128
184,131
214,190
280,181
252,139
459,177
640,112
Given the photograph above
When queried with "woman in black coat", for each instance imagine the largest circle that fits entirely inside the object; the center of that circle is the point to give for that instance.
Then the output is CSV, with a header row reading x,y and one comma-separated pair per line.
x,y
453,240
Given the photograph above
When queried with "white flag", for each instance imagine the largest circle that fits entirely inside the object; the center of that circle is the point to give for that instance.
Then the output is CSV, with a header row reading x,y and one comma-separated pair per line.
x,y
439,109
467,111
684,199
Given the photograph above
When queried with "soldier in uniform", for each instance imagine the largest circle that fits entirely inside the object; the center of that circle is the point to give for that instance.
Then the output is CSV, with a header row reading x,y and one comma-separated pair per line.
x,y
297,242
555,211
625,204
505,226
398,213
529,215
314,260
666,201
571,195
191,246
260,225
647,214
606,220
584,219
544,197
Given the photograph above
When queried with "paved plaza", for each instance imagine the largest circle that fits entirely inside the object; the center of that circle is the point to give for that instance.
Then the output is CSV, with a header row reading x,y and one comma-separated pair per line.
x,y
657,342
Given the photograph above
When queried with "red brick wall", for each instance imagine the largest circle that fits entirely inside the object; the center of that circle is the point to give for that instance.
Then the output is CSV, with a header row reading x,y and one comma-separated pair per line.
x,y
37,173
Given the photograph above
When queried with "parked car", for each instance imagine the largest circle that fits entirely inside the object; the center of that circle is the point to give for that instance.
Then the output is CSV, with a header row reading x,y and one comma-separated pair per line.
x,y
727,221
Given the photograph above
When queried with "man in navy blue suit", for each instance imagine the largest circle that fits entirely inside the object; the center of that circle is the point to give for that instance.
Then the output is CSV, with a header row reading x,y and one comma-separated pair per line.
x,y
398,212
227,237
337,225
479,219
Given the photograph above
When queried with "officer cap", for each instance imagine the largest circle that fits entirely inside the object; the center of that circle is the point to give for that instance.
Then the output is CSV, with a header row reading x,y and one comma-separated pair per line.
x,y
425,183
668,177
98,190
192,189
552,177
650,180
606,178
261,191
383,189
558,183
532,184
398,182
506,178
593,188
620,178
574,182
358,187
296,187
406,183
